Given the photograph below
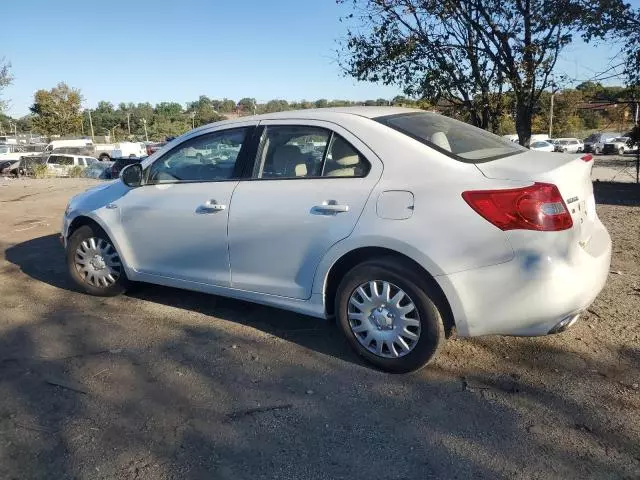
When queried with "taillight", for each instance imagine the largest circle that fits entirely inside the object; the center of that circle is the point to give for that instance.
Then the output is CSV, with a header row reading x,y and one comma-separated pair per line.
x,y
536,207
586,158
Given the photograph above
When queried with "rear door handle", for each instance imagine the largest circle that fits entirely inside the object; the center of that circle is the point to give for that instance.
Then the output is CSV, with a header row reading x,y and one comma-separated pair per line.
x,y
210,206
330,208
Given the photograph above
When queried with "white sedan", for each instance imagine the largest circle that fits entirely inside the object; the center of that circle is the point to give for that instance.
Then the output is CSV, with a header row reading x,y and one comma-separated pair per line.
x,y
542,146
405,225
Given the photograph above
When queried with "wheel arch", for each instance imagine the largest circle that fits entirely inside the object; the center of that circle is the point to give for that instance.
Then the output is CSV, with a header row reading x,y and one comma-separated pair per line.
x,y
81,221
361,254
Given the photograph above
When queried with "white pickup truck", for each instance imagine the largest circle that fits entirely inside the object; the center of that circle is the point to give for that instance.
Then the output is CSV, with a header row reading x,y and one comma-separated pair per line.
x,y
102,151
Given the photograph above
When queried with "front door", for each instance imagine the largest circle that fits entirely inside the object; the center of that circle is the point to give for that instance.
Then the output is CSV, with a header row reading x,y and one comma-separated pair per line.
x,y
176,224
309,186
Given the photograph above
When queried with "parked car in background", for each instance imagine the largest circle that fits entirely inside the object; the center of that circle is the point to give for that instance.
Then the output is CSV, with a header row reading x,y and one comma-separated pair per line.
x,y
594,143
99,170
358,232
542,146
618,145
568,145
60,164
6,166
154,147
120,163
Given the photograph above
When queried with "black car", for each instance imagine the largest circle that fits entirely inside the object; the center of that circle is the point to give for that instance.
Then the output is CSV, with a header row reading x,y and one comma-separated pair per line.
x,y
120,163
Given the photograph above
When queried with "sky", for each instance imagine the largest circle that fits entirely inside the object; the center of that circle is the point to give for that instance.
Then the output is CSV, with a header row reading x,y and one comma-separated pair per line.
x,y
167,50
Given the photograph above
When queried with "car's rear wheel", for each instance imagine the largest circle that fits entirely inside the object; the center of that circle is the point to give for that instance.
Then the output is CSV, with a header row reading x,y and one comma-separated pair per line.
x,y
104,158
94,263
389,315
621,151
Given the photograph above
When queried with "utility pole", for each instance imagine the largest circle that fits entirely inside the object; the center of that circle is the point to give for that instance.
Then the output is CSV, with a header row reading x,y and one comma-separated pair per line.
x,y
193,120
144,122
91,124
551,117
128,123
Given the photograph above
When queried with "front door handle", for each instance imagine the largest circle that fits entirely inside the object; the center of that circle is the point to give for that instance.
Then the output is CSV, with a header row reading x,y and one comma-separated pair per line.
x,y
330,208
210,206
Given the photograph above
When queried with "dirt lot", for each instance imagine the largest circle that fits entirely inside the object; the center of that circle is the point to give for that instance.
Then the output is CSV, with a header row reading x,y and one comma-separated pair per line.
x,y
164,383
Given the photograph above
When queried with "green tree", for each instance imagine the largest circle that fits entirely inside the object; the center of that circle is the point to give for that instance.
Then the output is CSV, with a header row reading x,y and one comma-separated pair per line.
x,y
227,106
618,21
169,109
5,81
57,111
275,106
322,103
463,51
247,105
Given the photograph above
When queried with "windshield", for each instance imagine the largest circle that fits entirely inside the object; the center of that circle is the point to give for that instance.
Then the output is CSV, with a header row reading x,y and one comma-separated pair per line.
x,y
456,139
4,150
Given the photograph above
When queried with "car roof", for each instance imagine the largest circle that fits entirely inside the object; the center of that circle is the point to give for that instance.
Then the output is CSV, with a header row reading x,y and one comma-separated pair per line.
x,y
330,114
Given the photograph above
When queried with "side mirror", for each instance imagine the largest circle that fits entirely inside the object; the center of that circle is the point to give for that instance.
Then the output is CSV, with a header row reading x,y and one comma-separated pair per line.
x,y
131,175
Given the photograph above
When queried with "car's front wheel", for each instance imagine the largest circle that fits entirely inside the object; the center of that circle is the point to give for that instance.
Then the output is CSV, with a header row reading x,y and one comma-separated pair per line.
x,y
389,315
94,263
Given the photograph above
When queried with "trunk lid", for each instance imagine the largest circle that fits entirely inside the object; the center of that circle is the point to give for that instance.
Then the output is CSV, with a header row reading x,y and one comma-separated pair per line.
x,y
568,172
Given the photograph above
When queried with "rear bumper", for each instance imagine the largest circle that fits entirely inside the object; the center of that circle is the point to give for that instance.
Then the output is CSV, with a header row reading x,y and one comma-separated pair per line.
x,y
531,294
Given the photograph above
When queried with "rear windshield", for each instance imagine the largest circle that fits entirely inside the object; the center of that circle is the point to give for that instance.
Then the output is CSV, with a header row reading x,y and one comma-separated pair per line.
x,y
456,139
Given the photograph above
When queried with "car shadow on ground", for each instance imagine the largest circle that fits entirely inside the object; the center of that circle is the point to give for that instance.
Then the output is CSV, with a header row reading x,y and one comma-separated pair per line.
x,y
617,193
43,259
95,389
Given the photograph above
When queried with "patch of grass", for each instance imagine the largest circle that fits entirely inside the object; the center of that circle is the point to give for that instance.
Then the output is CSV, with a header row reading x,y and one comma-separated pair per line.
x,y
40,171
76,171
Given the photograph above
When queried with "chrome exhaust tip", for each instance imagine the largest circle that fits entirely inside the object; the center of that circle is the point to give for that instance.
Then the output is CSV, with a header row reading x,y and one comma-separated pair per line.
x,y
565,323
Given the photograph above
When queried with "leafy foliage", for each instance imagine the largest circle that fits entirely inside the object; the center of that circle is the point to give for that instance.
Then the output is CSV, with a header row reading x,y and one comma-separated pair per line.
x,y
40,170
57,111
5,80
465,52
76,171
618,21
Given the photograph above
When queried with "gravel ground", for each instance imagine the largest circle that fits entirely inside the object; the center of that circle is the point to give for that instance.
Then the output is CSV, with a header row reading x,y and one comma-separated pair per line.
x,y
164,383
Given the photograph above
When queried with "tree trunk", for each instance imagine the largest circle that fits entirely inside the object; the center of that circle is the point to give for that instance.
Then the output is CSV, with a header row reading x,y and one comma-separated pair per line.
x,y
524,116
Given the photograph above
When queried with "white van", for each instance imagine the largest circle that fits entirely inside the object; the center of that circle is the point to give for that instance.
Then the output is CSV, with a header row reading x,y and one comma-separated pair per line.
x,y
84,142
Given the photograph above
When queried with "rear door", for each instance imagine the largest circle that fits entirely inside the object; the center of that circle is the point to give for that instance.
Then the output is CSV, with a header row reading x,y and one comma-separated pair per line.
x,y
309,185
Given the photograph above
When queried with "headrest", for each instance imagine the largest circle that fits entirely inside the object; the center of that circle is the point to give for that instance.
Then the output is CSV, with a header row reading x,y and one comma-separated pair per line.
x,y
349,161
440,139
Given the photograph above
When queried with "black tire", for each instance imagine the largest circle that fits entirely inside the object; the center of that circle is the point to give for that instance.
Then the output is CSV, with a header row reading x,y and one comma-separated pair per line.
x,y
80,235
621,151
104,158
596,151
424,296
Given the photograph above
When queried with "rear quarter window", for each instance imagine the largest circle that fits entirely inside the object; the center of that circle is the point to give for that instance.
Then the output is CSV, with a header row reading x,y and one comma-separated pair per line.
x,y
458,140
